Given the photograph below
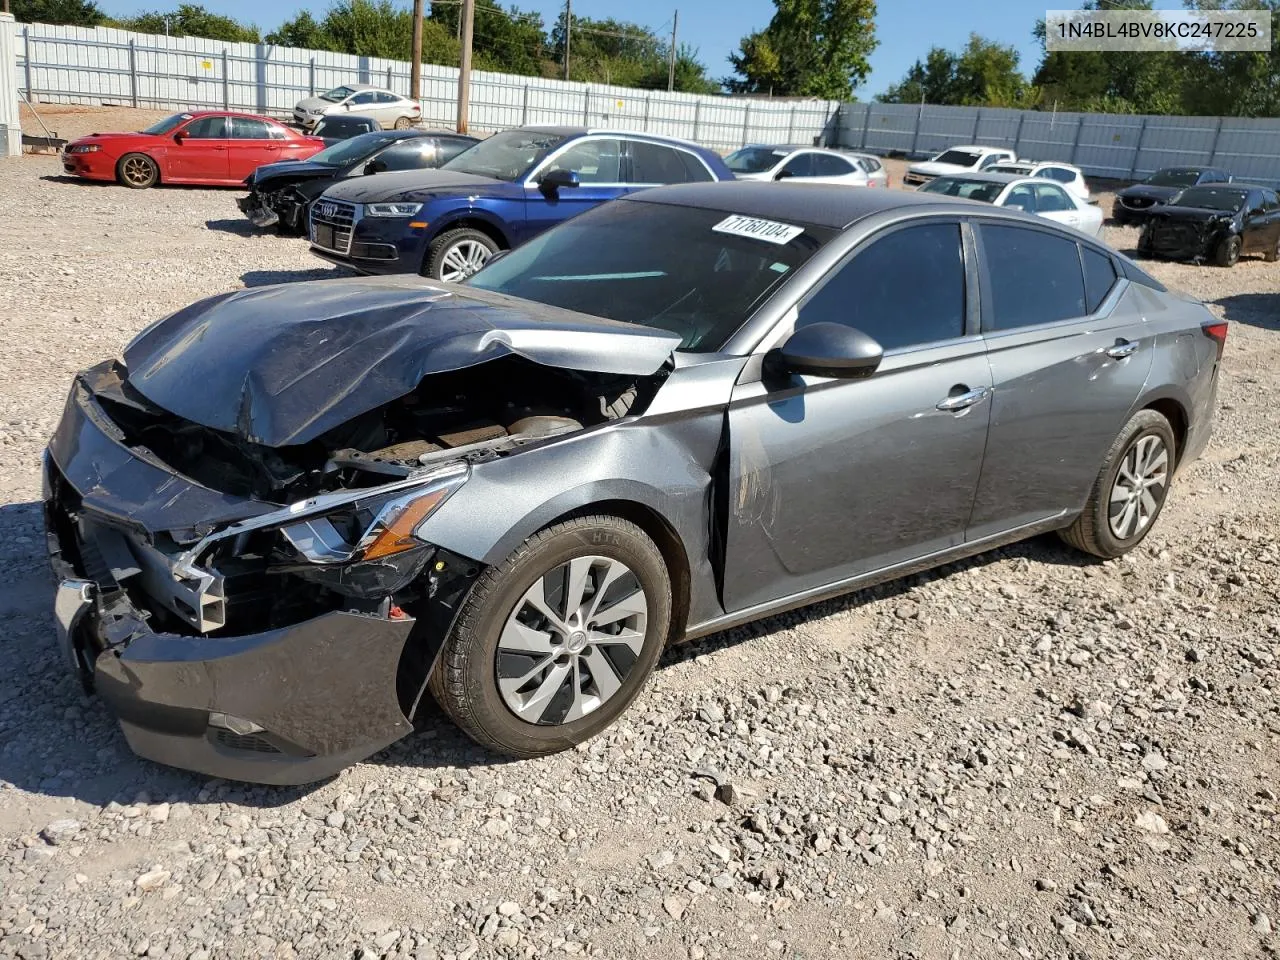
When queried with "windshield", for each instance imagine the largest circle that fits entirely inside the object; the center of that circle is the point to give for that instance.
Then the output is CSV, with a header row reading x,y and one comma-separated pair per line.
x,y
167,124
505,156
961,158
337,94
1173,178
1212,198
687,270
754,159
967,189
349,151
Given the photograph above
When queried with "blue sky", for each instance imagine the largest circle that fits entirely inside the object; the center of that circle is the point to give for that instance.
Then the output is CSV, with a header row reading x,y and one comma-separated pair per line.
x,y
906,28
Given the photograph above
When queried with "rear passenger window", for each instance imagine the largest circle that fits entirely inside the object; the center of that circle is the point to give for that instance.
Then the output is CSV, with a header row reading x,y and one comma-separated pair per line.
x,y
1035,277
1099,277
879,291
652,163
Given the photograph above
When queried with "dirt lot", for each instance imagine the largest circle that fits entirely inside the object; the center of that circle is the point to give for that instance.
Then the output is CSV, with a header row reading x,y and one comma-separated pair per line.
x,y
1027,754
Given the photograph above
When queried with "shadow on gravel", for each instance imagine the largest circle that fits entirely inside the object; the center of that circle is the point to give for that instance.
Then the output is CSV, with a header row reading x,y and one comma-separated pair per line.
x,y
1255,309
240,227
78,181
262,278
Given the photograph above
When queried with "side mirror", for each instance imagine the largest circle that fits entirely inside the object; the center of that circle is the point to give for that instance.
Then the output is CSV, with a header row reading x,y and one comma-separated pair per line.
x,y
830,350
783,174
179,137
553,180
375,166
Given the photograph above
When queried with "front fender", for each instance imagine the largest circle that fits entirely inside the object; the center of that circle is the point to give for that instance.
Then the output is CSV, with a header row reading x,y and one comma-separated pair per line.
x,y
455,213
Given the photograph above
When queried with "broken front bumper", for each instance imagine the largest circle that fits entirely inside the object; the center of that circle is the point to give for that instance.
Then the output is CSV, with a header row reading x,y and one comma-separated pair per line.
x,y
258,213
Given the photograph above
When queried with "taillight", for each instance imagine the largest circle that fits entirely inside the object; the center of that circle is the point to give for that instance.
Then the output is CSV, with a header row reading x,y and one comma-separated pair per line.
x,y
1217,332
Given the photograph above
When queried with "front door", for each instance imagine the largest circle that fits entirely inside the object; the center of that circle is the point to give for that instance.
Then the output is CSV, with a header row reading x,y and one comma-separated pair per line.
x,y
1069,357
830,479
598,163
251,145
202,154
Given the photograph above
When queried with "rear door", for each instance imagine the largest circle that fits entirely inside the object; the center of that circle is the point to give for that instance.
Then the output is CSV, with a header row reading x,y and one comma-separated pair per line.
x,y
202,154
830,479
1069,355
251,145
1261,222
598,163
655,164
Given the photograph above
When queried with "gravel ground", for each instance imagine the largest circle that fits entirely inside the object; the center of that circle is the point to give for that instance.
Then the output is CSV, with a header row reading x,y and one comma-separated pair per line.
x,y
1027,754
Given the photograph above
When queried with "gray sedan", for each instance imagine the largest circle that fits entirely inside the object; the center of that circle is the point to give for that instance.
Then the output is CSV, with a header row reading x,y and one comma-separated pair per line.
x,y
693,408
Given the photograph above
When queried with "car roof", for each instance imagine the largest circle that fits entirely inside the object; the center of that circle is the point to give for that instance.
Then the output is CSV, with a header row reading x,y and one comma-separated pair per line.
x,y
566,131
977,146
825,205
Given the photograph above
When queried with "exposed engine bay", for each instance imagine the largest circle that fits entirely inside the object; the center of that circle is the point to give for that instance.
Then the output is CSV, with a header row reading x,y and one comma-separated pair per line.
x,y
473,414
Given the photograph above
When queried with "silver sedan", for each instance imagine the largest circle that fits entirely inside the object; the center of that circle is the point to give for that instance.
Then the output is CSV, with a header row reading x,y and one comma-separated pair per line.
x,y
389,109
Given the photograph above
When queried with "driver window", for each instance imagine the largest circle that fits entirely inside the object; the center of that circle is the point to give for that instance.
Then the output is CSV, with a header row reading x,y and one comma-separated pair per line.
x,y
1021,198
1050,198
362,98
206,128
594,161
801,165
414,155
879,291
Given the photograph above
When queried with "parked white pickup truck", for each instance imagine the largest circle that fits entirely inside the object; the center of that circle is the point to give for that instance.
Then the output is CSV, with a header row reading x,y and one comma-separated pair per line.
x,y
964,159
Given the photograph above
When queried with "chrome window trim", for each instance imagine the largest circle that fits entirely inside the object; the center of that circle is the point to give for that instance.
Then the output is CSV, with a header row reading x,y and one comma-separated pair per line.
x,y
531,178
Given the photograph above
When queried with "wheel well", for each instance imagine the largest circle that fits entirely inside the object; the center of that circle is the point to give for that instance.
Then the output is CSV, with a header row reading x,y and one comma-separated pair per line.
x,y
474,223
665,539
1172,411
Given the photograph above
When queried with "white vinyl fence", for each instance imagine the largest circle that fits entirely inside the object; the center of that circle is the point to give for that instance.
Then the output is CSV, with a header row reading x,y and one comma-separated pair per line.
x,y
1103,145
57,64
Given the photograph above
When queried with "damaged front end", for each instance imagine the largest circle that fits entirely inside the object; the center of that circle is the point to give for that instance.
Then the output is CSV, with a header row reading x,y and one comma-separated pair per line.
x,y
284,207
270,612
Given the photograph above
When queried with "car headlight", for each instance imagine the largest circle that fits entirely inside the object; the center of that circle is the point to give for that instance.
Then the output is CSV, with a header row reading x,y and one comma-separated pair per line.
x,y
84,148
372,546
391,209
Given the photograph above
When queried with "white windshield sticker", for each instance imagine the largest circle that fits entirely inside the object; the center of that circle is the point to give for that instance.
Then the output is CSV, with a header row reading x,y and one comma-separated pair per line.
x,y
768,230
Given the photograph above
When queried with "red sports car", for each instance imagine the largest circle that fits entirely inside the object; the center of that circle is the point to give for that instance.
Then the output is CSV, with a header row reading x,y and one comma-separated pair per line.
x,y
209,147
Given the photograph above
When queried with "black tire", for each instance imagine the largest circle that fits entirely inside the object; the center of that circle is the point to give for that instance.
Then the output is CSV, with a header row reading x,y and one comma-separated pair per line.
x,y
466,675
1227,252
137,171
440,248
403,123
1092,531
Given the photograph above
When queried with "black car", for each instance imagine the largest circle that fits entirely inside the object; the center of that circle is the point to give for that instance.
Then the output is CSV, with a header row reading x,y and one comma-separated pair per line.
x,y
1218,222
281,193
336,129
1134,203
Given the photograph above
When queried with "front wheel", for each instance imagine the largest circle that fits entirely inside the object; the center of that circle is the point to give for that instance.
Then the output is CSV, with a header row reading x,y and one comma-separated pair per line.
x,y
554,643
137,171
1227,252
1130,489
457,254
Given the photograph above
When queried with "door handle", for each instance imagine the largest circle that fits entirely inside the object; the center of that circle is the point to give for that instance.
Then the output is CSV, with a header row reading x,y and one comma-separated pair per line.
x,y
962,401
1121,349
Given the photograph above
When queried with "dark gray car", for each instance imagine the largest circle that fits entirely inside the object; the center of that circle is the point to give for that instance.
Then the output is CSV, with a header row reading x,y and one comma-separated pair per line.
x,y
293,511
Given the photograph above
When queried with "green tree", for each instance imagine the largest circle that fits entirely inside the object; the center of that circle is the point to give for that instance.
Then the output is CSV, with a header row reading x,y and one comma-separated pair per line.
x,y
513,41
302,31
76,13
985,73
191,20
814,48
1236,84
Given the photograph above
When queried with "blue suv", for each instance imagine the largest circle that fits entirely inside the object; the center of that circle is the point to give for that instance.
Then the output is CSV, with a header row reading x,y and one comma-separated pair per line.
x,y
446,223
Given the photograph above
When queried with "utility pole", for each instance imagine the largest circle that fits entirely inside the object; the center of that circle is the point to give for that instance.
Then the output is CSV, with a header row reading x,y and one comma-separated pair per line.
x,y
464,70
568,33
671,57
415,67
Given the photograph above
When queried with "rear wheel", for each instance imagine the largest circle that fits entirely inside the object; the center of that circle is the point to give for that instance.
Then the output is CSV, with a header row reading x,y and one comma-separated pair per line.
x,y
1227,252
457,254
137,171
1130,489
554,643
403,123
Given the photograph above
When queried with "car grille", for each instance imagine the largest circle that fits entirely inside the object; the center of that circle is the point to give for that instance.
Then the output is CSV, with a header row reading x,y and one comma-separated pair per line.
x,y
332,223
916,178
1137,203
251,742
1175,236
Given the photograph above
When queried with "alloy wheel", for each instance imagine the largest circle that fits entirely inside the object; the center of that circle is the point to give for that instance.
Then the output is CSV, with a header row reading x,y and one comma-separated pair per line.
x,y
572,640
137,170
463,259
1139,487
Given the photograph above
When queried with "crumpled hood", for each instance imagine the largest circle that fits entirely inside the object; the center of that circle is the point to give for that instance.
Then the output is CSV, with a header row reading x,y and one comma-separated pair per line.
x,y
1149,192
419,185
931,168
283,364
1199,214
292,169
